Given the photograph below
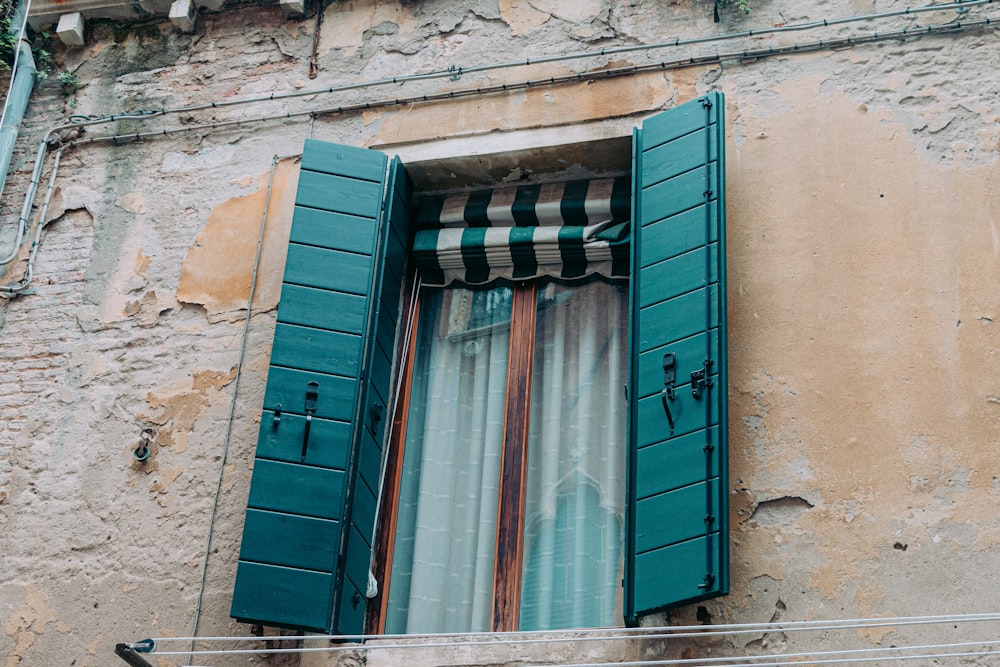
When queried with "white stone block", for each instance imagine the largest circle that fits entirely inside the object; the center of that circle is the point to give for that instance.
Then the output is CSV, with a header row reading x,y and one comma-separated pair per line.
x,y
293,7
183,15
70,29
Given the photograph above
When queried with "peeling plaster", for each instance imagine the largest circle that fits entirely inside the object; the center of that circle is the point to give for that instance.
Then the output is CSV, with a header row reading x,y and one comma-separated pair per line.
x,y
522,16
218,269
572,103
180,406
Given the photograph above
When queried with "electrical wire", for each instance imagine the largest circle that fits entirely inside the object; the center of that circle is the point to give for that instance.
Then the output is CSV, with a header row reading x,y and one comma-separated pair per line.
x,y
232,403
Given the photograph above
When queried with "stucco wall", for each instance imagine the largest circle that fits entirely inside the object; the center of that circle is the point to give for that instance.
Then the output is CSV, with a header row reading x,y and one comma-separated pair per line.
x,y
863,264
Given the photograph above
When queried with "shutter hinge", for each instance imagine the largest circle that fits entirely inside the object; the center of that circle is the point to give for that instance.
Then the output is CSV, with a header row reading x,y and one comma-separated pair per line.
x,y
375,413
708,580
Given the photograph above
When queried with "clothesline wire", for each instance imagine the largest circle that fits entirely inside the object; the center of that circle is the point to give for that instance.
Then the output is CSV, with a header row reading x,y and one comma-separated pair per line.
x,y
801,658
600,634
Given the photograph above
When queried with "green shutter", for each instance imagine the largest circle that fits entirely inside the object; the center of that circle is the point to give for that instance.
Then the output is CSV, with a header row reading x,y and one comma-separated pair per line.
x,y
677,506
311,505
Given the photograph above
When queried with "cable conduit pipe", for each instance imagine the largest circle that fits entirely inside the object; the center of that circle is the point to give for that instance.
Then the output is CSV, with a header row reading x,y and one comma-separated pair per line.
x,y
454,72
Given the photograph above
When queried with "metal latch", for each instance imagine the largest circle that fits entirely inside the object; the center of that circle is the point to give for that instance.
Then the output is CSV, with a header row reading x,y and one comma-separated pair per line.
x,y
701,379
669,378
312,397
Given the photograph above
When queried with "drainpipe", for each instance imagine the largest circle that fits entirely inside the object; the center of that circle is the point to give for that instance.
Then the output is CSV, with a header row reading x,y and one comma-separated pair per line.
x,y
20,89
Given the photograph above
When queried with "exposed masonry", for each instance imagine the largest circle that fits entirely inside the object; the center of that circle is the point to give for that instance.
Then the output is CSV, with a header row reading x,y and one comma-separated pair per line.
x,y
861,190
780,510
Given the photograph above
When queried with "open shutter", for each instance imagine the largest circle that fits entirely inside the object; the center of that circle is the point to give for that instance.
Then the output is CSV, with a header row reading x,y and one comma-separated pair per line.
x,y
312,488
677,514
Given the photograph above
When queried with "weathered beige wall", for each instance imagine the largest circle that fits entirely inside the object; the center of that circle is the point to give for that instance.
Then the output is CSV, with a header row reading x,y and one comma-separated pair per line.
x,y
864,259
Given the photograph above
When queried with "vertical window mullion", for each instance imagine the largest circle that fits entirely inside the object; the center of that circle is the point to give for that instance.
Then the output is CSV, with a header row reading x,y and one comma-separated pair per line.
x,y
507,577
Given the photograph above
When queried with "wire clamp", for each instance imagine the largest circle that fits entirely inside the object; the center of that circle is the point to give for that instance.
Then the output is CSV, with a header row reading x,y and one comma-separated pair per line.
x,y
143,646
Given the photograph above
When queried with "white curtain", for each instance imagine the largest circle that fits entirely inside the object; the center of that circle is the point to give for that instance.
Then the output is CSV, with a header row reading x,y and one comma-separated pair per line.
x,y
573,526
443,557
442,568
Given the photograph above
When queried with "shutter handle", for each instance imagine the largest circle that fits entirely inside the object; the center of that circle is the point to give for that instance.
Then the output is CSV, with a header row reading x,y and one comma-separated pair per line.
x,y
669,377
312,397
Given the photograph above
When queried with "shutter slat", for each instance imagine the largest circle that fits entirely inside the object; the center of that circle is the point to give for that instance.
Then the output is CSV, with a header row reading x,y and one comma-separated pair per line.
x,y
328,269
339,194
677,509
282,596
311,349
322,309
688,415
296,489
671,581
680,462
329,229
676,234
287,387
328,440
306,542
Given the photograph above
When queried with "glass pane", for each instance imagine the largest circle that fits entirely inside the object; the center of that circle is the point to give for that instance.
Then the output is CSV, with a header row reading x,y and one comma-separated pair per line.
x,y
443,557
573,525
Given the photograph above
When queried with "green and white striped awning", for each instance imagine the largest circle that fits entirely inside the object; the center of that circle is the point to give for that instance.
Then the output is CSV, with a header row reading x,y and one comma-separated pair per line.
x,y
562,230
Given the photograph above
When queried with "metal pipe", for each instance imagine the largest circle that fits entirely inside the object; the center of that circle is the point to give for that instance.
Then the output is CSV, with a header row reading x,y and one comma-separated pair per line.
x,y
22,81
21,286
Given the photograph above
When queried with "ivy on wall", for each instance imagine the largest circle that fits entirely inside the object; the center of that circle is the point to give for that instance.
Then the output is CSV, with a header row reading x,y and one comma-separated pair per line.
x,y
8,42
741,5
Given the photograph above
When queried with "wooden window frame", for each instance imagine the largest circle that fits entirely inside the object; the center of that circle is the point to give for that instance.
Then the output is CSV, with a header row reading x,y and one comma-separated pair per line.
x,y
510,519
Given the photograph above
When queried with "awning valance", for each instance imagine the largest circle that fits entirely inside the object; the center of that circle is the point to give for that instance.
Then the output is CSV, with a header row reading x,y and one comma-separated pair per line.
x,y
563,230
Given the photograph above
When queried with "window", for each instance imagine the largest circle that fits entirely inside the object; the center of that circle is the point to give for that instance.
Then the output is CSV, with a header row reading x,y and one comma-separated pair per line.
x,y
307,544
556,472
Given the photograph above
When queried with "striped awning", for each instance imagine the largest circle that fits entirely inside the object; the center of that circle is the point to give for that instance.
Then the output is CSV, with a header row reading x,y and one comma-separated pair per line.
x,y
562,230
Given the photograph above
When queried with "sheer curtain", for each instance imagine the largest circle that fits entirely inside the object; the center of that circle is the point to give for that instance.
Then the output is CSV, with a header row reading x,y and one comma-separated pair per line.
x,y
444,554
573,525
443,558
